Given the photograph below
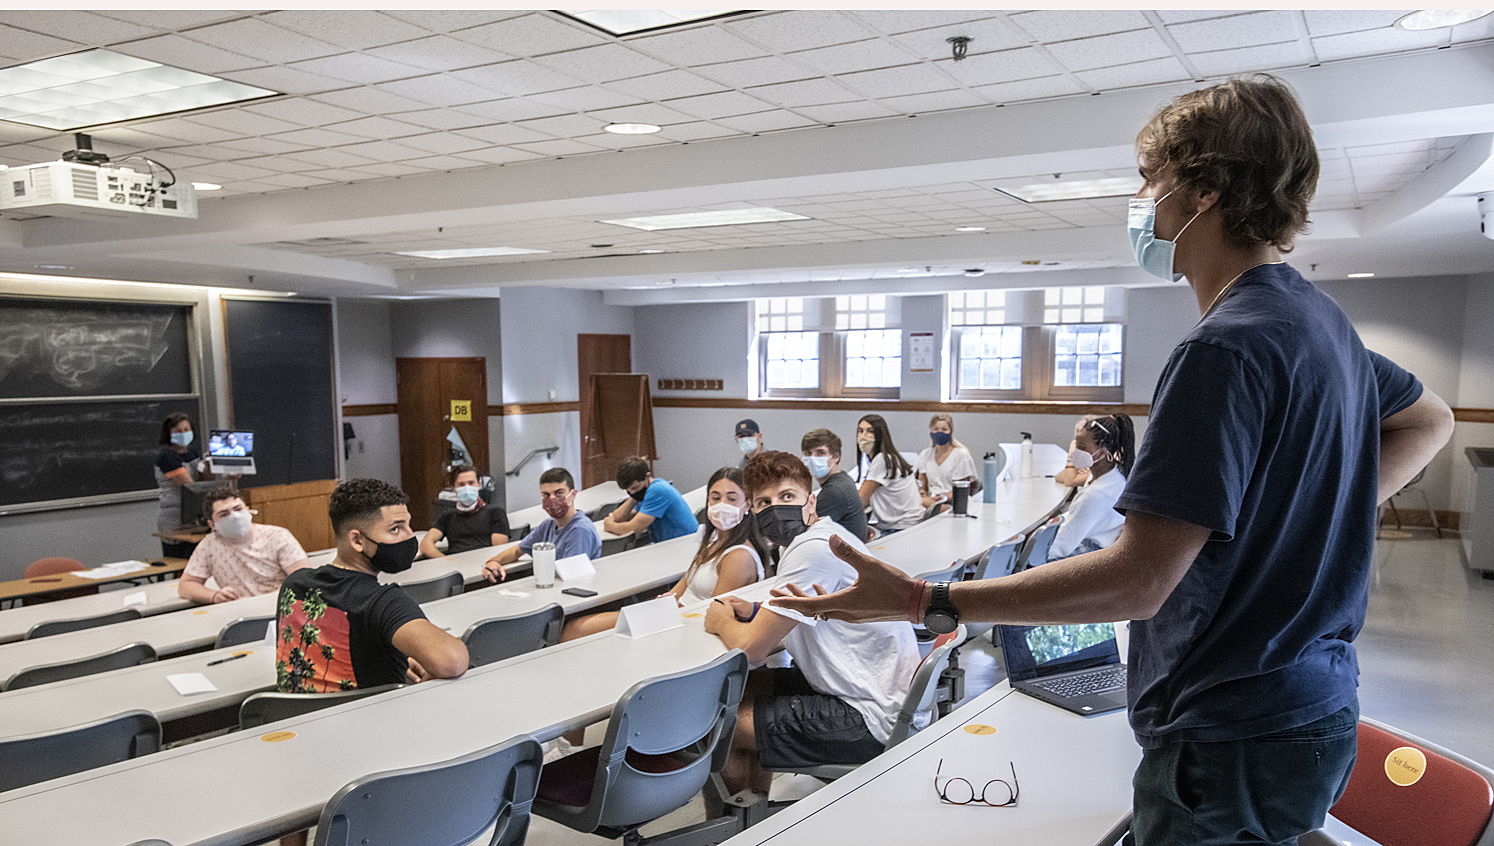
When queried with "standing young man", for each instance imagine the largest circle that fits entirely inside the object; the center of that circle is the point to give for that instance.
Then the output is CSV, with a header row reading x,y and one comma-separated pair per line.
x,y
243,558
1250,512
837,498
564,526
653,505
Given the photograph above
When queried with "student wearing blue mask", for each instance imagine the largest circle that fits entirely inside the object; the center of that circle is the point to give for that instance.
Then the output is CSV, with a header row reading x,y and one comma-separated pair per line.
x,y
473,524
749,441
653,505
943,463
837,498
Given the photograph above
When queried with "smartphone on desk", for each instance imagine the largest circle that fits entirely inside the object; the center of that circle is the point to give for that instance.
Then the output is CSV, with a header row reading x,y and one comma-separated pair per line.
x,y
582,592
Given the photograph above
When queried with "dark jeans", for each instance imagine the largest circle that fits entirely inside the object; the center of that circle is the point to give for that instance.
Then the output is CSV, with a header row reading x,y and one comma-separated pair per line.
x,y
1262,790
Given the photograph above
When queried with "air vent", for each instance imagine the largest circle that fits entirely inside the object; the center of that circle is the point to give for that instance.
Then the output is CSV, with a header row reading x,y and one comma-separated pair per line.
x,y
41,184
85,183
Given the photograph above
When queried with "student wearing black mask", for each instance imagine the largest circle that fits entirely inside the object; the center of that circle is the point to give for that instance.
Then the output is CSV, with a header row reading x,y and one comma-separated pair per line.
x,y
339,629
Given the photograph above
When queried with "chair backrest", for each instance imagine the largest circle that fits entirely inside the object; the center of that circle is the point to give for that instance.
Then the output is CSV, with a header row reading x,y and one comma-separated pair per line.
x,y
74,624
444,804
264,708
1449,803
498,638
601,511
244,630
690,715
34,758
948,574
1000,560
1035,551
129,655
519,532
932,511
924,687
440,587
52,566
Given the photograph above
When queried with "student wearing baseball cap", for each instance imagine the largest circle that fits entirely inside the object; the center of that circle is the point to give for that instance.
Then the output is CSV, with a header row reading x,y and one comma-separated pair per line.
x,y
749,441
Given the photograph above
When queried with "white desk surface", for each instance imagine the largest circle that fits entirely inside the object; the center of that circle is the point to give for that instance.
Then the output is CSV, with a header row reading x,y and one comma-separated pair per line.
x,y
1074,773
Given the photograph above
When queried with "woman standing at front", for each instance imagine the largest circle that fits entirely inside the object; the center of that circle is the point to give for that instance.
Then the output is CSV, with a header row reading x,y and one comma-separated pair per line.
x,y
888,485
177,464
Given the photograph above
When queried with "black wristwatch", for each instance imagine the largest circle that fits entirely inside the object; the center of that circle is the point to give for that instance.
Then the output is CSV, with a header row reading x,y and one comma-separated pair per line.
x,y
941,617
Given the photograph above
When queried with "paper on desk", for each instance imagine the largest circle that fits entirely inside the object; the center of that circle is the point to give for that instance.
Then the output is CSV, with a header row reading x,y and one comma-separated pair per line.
x,y
189,683
514,593
574,567
646,618
110,571
137,598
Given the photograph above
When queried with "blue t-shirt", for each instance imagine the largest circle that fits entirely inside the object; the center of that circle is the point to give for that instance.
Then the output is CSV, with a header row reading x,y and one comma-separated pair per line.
x,y
672,517
1265,429
579,537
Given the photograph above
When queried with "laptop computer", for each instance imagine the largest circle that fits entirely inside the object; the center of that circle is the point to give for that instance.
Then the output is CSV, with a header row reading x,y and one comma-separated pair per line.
x,y
231,451
1076,667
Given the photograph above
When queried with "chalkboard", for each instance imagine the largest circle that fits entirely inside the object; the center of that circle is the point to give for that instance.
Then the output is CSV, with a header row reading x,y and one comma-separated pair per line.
x,y
56,348
280,378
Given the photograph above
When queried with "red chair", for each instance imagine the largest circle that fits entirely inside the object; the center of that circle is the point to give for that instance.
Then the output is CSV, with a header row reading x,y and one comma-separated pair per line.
x,y
51,567
1448,802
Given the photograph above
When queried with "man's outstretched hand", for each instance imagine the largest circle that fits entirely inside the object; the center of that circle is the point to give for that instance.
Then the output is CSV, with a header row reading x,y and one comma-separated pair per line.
x,y
880,593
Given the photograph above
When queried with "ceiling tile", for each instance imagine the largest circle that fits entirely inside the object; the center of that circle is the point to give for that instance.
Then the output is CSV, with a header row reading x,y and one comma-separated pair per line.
x,y
810,92
935,102
331,158
558,147
666,86
712,106
1029,89
517,78
643,113
612,141
254,37
439,90
264,146
1106,50
302,112
986,35
86,27
235,170
584,99
370,101
447,20
376,127
208,151
1240,31
1138,73
25,46
1246,59
697,46
200,131
381,151
846,112
896,82
1337,21
505,133
444,143
565,126
440,53
284,80
179,52
1172,16
800,30
498,155
1005,66
245,123
697,131
603,63
766,121
293,180
440,119
318,137
356,29
531,35
1375,42
1479,30
513,108
1066,24
893,21
358,68
169,19
858,56
763,71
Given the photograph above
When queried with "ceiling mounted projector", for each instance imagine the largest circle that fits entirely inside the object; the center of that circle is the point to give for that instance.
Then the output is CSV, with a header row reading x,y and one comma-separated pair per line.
x,y
85,184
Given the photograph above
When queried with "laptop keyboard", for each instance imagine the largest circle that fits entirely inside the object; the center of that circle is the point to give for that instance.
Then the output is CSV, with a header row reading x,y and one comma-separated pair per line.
x,y
1085,684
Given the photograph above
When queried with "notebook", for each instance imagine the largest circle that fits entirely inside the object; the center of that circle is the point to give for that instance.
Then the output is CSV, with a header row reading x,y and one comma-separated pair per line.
x,y
1076,667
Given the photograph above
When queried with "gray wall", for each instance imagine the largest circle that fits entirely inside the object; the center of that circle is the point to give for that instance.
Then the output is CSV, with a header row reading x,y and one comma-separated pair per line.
x,y
1475,384
365,362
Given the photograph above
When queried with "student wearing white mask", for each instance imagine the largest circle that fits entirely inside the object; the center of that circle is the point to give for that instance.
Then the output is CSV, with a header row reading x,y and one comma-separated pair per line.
x,y
473,524
837,498
749,441
242,557
1104,447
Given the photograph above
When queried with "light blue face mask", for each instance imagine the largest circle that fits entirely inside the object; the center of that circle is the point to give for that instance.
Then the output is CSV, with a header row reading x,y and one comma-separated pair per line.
x,y
1152,254
181,438
819,465
467,495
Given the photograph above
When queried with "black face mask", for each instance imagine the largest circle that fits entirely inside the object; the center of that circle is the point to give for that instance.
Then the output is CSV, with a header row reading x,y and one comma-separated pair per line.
x,y
640,493
394,557
781,523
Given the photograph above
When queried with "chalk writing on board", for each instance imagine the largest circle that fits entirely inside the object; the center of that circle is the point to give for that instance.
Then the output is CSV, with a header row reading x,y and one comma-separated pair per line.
x,y
78,350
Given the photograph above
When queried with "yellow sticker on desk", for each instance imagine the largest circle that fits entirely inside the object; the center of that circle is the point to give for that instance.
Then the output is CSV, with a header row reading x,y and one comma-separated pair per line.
x,y
277,736
692,615
977,728
198,613
245,652
1405,766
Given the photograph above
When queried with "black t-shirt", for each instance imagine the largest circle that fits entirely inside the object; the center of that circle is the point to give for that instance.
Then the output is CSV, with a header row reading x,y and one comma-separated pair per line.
x,y
472,529
336,631
838,500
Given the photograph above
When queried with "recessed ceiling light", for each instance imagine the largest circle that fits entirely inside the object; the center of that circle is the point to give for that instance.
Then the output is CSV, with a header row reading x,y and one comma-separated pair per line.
x,y
650,252
96,87
207,186
975,272
625,21
726,217
970,229
631,128
1439,18
1360,275
474,252
1077,189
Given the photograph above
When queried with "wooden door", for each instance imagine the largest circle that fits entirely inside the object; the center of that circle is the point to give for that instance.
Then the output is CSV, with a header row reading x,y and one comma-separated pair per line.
x,y
426,391
597,354
622,422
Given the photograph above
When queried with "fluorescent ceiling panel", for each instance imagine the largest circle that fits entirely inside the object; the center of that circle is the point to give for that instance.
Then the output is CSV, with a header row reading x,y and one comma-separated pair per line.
x,y
1078,189
97,87
627,21
728,217
474,252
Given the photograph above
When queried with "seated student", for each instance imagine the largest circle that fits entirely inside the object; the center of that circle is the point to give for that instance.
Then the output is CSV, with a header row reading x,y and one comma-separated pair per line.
x,y
837,704
749,440
944,463
1104,447
653,505
339,629
888,485
565,527
473,524
245,559
837,498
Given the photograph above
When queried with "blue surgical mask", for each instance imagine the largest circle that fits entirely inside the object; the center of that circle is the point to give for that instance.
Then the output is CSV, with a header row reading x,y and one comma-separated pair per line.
x,y
181,438
941,438
819,465
1153,255
466,495
747,445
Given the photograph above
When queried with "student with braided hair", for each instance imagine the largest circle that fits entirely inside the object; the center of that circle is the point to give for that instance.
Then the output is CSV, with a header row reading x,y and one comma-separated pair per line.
x,y
1103,448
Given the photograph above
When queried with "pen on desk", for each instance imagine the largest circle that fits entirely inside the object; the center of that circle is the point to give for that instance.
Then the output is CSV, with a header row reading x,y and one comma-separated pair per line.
x,y
229,658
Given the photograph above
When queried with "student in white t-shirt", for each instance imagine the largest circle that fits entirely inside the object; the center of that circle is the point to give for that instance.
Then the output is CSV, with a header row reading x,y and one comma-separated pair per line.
x,y
838,703
945,462
888,485
1104,447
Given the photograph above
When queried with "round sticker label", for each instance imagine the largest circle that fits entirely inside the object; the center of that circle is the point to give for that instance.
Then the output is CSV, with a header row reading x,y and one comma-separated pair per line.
x,y
977,728
277,736
1405,766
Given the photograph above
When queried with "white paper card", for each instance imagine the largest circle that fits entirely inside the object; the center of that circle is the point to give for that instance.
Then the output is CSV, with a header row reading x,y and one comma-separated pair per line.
x,y
271,630
136,598
575,567
518,594
647,618
112,571
189,683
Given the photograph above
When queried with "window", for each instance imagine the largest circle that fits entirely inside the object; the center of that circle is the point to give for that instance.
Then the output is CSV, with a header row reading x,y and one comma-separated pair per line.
x,y
830,347
793,360
1073,305
1073,354
1087,356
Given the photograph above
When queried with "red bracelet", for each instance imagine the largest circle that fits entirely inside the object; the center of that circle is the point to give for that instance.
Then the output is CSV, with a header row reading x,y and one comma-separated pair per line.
x,y
915,602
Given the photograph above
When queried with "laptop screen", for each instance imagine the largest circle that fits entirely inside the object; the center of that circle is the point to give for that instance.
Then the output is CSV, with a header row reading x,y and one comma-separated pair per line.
x,y
223,442
1035,651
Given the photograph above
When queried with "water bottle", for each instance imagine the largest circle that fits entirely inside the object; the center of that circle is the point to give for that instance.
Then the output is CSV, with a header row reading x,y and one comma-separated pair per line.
x,y
1027,455
991,469
544,564
961,497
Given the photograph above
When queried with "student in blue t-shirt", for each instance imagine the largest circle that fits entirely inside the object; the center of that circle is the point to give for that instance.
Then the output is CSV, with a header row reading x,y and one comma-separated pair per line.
x,y
570,530
653,505
1250,512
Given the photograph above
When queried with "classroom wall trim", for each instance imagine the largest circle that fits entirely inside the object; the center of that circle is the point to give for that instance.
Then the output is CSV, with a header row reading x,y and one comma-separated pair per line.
x,y
369,410
1473,415
513,408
